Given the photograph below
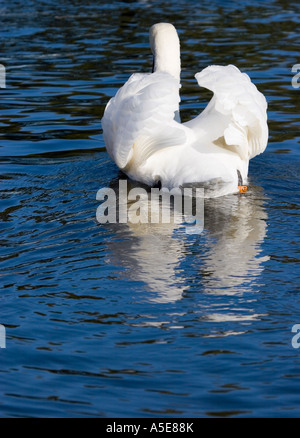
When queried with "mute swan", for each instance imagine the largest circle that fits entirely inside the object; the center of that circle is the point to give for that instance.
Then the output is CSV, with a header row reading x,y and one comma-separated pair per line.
x,y
144,136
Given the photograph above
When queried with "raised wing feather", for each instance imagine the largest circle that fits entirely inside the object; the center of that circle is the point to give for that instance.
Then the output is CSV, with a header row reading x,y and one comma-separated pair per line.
x,y
237,111
139,120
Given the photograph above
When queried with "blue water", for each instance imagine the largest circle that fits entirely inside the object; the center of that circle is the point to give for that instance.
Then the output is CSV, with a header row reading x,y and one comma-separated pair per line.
x,y
144,320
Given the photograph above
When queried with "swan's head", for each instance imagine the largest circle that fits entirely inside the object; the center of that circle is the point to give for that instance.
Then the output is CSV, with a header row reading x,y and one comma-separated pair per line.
x,y
165,47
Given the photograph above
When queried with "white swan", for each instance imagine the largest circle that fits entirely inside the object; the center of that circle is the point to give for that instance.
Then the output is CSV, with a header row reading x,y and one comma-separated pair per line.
x,y
144,136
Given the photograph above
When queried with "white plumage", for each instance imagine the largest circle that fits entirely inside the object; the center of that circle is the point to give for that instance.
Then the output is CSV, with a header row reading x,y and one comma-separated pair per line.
x,y
144,136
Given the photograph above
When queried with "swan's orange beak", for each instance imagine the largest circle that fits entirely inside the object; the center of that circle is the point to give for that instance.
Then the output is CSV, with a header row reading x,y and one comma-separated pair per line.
x,y
242,189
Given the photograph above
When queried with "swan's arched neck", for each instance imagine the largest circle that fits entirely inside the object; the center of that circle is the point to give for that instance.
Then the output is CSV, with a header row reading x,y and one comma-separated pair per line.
x,y
165,47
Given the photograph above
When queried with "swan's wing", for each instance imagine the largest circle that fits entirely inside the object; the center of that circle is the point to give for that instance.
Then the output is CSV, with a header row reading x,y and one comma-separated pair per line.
x,y
139,120
236,116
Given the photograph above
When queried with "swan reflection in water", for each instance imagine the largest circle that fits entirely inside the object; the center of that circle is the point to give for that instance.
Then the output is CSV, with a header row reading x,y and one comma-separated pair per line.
x,y
223,259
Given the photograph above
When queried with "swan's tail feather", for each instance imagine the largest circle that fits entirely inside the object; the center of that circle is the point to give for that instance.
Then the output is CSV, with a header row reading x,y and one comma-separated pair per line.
x,y
146,145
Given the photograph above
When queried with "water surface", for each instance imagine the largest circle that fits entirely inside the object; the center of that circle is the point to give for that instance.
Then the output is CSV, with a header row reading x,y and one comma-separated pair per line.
x,y
143,320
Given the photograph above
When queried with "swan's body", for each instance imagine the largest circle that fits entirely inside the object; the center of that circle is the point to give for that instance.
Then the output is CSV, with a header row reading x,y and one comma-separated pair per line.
x,y
144,136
